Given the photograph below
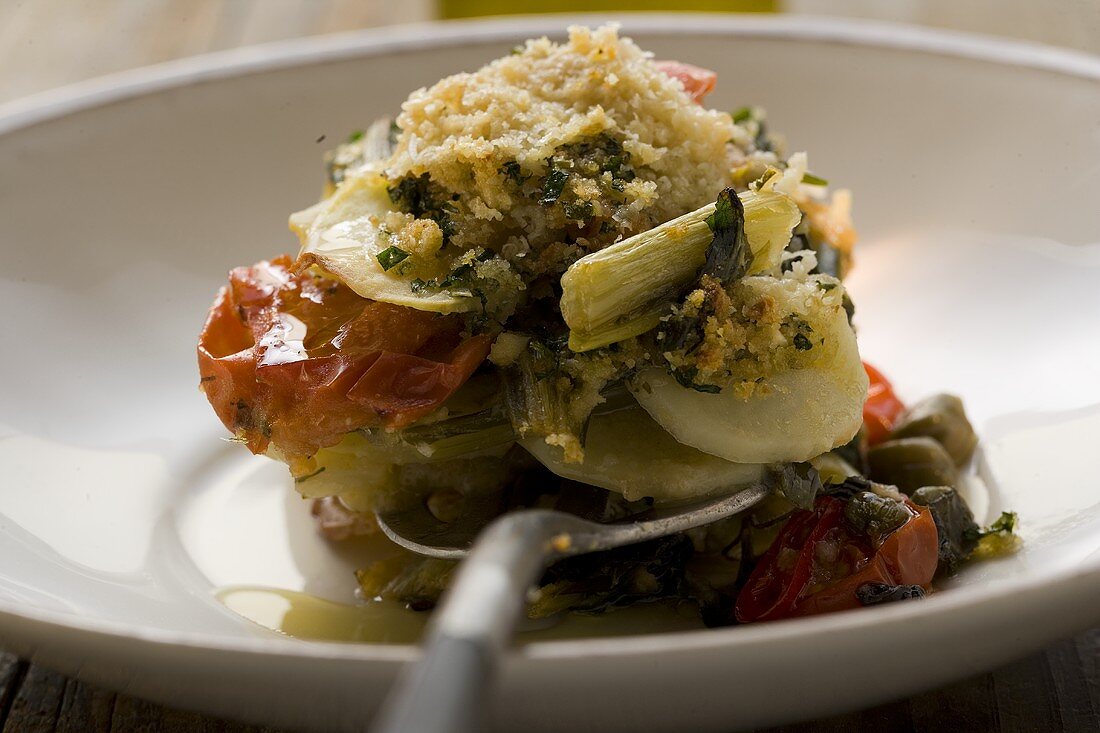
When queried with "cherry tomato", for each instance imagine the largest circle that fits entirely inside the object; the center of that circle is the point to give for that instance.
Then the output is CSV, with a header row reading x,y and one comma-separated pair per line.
x,y
882,408
818,562
698,82
298,359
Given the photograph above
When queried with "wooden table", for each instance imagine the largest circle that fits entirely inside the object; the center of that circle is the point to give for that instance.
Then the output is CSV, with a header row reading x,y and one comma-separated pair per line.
x,y
45,43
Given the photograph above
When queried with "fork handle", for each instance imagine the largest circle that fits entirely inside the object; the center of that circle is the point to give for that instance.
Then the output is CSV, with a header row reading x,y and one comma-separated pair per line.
x,y
446,690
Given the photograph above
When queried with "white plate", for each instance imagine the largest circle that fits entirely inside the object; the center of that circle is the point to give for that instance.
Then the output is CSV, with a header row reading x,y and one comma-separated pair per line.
x,y
124,202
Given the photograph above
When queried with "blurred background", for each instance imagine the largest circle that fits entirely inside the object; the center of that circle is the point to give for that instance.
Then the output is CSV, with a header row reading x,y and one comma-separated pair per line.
x,y
47,43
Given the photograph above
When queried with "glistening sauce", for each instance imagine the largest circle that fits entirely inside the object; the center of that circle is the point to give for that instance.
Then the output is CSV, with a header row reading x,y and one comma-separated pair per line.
x,y
305,616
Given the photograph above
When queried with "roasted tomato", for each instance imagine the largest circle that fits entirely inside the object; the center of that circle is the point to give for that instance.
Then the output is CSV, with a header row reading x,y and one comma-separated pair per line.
x,y
298,359
882,408
698,82
820,560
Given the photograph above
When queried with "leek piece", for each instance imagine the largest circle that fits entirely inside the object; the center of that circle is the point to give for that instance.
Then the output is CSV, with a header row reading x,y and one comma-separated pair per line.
x,y
623,290
461,437
532,399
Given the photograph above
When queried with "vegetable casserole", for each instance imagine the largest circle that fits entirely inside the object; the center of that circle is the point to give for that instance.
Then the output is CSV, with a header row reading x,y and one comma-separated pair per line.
x,y
562,281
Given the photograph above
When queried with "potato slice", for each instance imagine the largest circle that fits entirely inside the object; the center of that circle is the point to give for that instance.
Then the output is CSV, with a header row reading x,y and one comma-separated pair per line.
x,y
802,413
340,234
626,451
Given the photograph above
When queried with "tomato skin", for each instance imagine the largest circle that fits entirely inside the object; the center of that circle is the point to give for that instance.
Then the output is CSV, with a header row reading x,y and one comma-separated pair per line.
x,y
882,408
296,360
697,81
402,388
817,563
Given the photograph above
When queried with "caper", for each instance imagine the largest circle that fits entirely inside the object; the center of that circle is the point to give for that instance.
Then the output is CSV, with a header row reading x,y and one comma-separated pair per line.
x,y
942,418
910,463
875,516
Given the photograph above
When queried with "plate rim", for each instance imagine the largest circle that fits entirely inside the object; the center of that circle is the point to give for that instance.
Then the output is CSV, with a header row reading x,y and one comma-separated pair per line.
x,y
102,91
118,86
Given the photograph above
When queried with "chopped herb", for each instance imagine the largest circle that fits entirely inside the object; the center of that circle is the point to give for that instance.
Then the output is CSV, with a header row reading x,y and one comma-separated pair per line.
x,y
516,50
872,594
578,210
411,194
461,277
455,276
826,286
355,136
513,172
813,180
614,166
801,328
390,257
998,539
308,476
686,378
742,115
591,158
1005,523
553,185
728,256
320,138
418,196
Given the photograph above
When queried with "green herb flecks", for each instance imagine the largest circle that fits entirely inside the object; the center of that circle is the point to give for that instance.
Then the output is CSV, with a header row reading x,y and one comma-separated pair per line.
x,y
750,117
686,378
728,256
419,196
513,172
625,289
813,180
578,210
391,257
553,185
999,539
727,259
